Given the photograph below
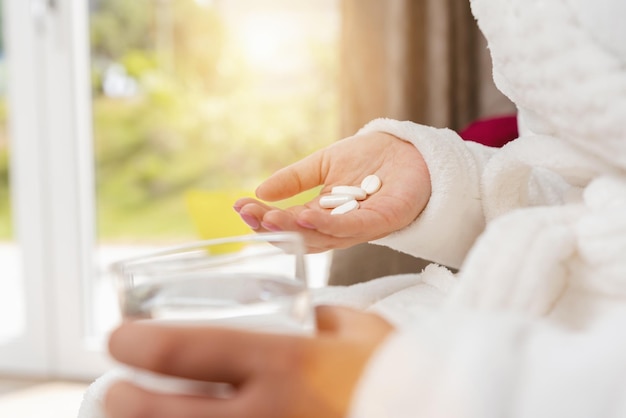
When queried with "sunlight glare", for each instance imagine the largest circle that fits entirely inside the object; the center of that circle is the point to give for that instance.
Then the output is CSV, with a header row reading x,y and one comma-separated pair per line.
x,y
273,42
204,3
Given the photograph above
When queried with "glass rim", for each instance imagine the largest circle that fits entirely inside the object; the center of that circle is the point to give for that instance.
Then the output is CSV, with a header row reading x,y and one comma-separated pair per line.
x,y
293,237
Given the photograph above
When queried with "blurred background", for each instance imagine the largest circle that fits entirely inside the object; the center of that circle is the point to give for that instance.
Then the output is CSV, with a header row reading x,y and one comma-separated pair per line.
x,y
130,125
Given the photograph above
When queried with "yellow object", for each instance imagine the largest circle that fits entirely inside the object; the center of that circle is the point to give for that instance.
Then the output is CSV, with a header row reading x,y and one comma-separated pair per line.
x,y
213,215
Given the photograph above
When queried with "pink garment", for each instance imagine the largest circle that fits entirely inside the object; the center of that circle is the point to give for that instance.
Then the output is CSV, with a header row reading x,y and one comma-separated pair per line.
x,y
492,132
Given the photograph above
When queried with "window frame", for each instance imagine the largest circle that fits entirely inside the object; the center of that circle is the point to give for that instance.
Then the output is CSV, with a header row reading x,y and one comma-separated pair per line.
x,y
52,188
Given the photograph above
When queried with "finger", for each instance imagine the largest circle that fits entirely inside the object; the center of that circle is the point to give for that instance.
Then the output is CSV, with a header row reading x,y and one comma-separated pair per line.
x,y
281,220
360,223
125,400
263,218
201,353
252,214
174,351
241,202
329,318
335,319
293,179
339,320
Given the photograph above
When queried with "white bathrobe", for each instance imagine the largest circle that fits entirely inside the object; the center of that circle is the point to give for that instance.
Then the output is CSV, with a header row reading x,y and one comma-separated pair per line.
x,y
534,324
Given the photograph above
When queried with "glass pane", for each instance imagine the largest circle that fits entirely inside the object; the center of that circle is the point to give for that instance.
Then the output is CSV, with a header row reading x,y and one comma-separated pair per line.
x,y
11,290
195,102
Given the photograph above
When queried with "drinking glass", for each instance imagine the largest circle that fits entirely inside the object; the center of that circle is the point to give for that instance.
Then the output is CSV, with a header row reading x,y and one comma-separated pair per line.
x,y
256,282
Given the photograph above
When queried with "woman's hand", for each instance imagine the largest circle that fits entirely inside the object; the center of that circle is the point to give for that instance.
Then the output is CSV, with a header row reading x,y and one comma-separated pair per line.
x,y
275,376
404,193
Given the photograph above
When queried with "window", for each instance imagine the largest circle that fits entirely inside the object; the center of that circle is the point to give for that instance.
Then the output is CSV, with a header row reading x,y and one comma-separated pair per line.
x,y
22,334
12,295
136,125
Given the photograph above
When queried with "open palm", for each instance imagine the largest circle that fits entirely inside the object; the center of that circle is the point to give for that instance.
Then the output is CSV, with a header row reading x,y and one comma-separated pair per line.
x,y
403,195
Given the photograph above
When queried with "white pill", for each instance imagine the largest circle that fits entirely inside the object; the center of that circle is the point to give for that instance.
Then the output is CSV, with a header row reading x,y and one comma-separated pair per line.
x,y
371,184
345,208
331,201
354,191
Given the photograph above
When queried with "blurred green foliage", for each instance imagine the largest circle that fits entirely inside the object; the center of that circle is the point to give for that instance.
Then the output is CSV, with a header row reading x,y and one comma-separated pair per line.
x,y
201,119
5,208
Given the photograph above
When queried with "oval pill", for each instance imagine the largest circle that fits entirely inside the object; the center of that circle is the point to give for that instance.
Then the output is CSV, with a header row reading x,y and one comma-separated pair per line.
x,y
371,184
331,201
356,192
345,208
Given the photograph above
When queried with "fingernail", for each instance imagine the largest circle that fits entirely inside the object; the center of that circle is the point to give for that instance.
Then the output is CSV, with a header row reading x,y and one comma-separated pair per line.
x,y
237,208
270,227
251,221
305,224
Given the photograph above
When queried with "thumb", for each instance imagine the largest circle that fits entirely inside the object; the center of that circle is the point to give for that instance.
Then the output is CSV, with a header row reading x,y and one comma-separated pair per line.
x,y
348,322
293,179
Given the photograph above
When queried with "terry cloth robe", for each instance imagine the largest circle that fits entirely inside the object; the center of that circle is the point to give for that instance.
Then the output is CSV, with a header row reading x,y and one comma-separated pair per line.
x,y
534,323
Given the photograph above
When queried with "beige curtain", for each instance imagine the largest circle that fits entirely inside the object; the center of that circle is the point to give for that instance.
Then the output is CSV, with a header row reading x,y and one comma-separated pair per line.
x,y
419,60
422,60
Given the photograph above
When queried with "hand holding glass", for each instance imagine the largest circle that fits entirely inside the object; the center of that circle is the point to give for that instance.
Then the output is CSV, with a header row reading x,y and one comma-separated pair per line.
x,y
255,282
